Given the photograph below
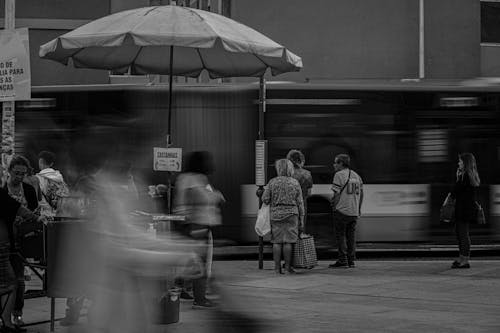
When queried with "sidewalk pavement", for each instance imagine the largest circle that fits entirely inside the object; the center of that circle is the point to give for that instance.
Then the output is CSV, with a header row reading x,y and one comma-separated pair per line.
x,y
376,296
364,250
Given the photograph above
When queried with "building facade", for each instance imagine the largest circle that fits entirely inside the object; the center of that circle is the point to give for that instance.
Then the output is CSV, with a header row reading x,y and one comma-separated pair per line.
x,y
341,39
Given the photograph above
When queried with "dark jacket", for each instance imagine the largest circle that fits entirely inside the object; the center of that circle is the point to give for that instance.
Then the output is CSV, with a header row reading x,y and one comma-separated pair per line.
x,y
465,195
32,200
8,212
30,195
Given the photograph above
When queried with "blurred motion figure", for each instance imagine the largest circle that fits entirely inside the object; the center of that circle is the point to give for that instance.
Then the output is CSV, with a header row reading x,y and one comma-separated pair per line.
x,y
303,176
197,200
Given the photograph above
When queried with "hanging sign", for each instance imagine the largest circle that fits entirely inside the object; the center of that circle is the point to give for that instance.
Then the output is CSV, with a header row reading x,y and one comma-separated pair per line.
x,y
167,159
260,162
15,75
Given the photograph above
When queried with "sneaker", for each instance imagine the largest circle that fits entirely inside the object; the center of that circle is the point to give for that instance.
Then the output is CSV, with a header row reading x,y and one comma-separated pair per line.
x,y
351,264
203,304
339,264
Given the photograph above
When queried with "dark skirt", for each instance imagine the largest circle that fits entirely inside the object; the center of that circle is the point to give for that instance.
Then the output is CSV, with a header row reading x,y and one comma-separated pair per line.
x,y
285,230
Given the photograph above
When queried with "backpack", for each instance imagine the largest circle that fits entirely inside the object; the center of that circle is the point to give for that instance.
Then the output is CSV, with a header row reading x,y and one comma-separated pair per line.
x,y
55,192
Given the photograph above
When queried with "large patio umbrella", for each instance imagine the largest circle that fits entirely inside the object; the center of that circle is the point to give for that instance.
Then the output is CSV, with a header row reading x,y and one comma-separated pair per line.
x,y
171,40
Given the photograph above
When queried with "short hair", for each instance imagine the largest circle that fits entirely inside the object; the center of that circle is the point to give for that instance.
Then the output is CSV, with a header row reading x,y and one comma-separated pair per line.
x,y
344,159
200,162
296,157
284,167
48,157
19,160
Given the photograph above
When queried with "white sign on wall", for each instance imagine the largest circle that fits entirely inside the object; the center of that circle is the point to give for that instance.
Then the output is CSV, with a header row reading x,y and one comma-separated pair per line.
x,y
167,159
15,75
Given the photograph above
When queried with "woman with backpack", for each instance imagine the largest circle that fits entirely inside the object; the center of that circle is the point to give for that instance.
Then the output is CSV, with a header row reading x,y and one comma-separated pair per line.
x,y
52,185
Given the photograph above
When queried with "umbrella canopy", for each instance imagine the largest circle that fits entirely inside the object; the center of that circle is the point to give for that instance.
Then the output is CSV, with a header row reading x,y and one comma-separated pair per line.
x,y
171,40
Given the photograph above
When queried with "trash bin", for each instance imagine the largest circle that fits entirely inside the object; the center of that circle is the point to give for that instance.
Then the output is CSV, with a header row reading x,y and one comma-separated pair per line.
x,y
69,246
167,307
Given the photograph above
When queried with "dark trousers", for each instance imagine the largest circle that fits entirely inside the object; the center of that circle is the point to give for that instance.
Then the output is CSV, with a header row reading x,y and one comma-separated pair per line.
x,y
462,233
345,232
18,267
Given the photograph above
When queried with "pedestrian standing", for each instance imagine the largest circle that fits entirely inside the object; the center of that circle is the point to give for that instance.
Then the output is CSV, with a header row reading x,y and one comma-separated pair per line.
x,y
346,203
26,195
464,192
284,197
303,176
10,210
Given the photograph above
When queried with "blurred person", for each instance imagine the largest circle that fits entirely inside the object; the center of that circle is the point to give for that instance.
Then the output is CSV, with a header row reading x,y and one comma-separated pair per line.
x,y
9,211
26,195
284,197
303,176
464,191
346,203
197,200
124,266
86,191
52,185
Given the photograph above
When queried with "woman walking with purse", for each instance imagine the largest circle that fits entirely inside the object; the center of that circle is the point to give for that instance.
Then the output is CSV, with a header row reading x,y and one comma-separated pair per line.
x,y
464,192
284,197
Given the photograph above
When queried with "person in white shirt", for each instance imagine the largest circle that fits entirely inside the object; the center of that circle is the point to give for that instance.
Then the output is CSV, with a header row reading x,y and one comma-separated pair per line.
x,y
52,185
347,200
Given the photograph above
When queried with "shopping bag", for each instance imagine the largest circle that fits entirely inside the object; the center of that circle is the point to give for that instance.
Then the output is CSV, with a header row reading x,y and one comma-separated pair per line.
x,y
447,212
304,254
480,219
263,223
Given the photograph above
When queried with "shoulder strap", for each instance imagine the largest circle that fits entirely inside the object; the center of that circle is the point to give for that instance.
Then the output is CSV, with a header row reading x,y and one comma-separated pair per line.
x,y
347,182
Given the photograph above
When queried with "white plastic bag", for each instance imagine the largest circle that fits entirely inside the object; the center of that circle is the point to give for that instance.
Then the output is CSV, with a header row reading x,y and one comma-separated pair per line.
x,y
263,224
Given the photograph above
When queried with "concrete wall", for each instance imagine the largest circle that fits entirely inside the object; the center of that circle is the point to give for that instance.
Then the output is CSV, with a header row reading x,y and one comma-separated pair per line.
x,y
60,9
369,39
490,60
337,39
39,17
48,72
453,37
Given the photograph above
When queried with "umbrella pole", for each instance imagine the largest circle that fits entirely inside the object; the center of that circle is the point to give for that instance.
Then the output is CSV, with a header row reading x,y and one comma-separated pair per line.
x,y
170,81
169,134
260,190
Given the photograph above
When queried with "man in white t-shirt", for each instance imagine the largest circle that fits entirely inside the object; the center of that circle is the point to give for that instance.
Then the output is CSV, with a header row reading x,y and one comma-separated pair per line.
x,y
347,199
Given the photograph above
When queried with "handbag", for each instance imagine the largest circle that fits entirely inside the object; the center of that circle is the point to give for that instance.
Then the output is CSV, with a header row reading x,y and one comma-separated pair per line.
x,y
263,223
447,212
480,219
304,254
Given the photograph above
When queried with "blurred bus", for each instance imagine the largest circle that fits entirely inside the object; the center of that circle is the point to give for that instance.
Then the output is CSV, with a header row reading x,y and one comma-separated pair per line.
x,y
403,138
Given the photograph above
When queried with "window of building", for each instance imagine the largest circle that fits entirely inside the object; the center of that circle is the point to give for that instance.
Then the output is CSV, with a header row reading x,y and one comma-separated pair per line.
x,y
490,21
